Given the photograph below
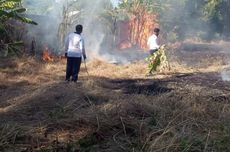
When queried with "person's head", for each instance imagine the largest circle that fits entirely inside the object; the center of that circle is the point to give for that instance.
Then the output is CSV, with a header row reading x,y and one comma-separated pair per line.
x,y
156,31
79,29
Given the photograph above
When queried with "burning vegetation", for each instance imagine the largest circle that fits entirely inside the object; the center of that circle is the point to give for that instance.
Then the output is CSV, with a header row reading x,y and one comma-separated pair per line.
x,y
115,107
135,32
46,56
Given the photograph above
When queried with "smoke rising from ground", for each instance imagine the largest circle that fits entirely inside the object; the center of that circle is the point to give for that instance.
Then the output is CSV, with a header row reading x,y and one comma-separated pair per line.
x,y
181,20
61,15
185,22
177,23
225,74
48,16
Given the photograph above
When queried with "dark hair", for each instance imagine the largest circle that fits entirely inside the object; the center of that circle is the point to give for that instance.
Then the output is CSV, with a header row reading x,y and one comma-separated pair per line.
x,y
79,29
156,30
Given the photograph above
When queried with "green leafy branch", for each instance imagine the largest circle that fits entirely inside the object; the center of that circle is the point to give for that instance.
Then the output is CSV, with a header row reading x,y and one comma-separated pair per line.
x,y
156,60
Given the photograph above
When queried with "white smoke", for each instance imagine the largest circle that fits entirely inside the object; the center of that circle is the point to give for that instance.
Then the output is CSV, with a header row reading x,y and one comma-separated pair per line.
x,y
92,15
225,74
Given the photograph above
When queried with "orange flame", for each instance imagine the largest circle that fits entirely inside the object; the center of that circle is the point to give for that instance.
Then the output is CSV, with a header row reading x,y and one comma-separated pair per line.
x,y
135,32
46,55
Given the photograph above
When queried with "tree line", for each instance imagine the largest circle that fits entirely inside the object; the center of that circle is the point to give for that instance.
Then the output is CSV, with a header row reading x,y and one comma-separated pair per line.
x,y
182,18
179,19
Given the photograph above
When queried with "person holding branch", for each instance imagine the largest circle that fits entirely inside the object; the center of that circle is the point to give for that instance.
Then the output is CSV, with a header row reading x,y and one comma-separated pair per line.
x,y
157,58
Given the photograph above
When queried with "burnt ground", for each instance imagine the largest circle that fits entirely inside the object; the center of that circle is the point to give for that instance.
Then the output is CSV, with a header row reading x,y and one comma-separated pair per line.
x,y
177,112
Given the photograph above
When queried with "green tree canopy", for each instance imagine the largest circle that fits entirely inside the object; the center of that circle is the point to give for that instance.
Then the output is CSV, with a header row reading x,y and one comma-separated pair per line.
x,y
11,9
187,17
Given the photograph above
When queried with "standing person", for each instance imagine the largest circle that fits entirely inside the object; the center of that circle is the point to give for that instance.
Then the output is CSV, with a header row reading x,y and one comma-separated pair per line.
x,y
152,41
74,50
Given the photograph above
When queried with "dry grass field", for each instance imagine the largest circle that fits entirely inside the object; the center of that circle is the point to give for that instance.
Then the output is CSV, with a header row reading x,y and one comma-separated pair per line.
x,y
115,108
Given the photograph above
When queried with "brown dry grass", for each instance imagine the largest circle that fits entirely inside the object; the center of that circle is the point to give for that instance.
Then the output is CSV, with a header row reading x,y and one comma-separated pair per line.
x,y
114,108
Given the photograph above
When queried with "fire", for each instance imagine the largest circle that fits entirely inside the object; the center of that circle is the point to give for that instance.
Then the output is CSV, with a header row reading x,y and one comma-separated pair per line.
x,y
46,55
125,44
136,30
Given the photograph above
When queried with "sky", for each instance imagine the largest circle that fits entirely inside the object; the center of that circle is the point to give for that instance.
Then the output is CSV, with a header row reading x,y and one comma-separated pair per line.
x,y
115,2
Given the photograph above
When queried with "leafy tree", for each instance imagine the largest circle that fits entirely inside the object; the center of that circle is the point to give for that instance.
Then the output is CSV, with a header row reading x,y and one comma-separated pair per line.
x,y
186,18
11,11
96,16
216,12
194,17
42,7
131,7
142,17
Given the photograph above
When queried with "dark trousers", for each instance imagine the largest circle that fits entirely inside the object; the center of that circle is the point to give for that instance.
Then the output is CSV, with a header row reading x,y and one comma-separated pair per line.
x,y
73,68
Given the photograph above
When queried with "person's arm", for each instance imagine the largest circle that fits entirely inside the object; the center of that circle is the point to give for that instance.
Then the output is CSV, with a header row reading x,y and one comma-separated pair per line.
x,y
66,45
156,42
148,43
82,47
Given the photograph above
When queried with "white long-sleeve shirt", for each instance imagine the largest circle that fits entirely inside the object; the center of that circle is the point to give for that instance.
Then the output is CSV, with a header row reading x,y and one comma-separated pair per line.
x,y
74,45
152,42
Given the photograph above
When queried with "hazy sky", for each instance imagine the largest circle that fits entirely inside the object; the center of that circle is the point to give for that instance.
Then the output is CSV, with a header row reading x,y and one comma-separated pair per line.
x,y
115,2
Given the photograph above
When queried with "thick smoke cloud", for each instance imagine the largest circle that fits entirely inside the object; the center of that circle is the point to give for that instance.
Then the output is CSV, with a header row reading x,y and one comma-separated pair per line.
x,y
48,16
63,15
176,18
98,33
183,20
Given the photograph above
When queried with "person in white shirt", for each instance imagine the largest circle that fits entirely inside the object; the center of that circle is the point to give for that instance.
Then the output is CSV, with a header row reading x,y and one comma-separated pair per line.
x,y
74,50
152,41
